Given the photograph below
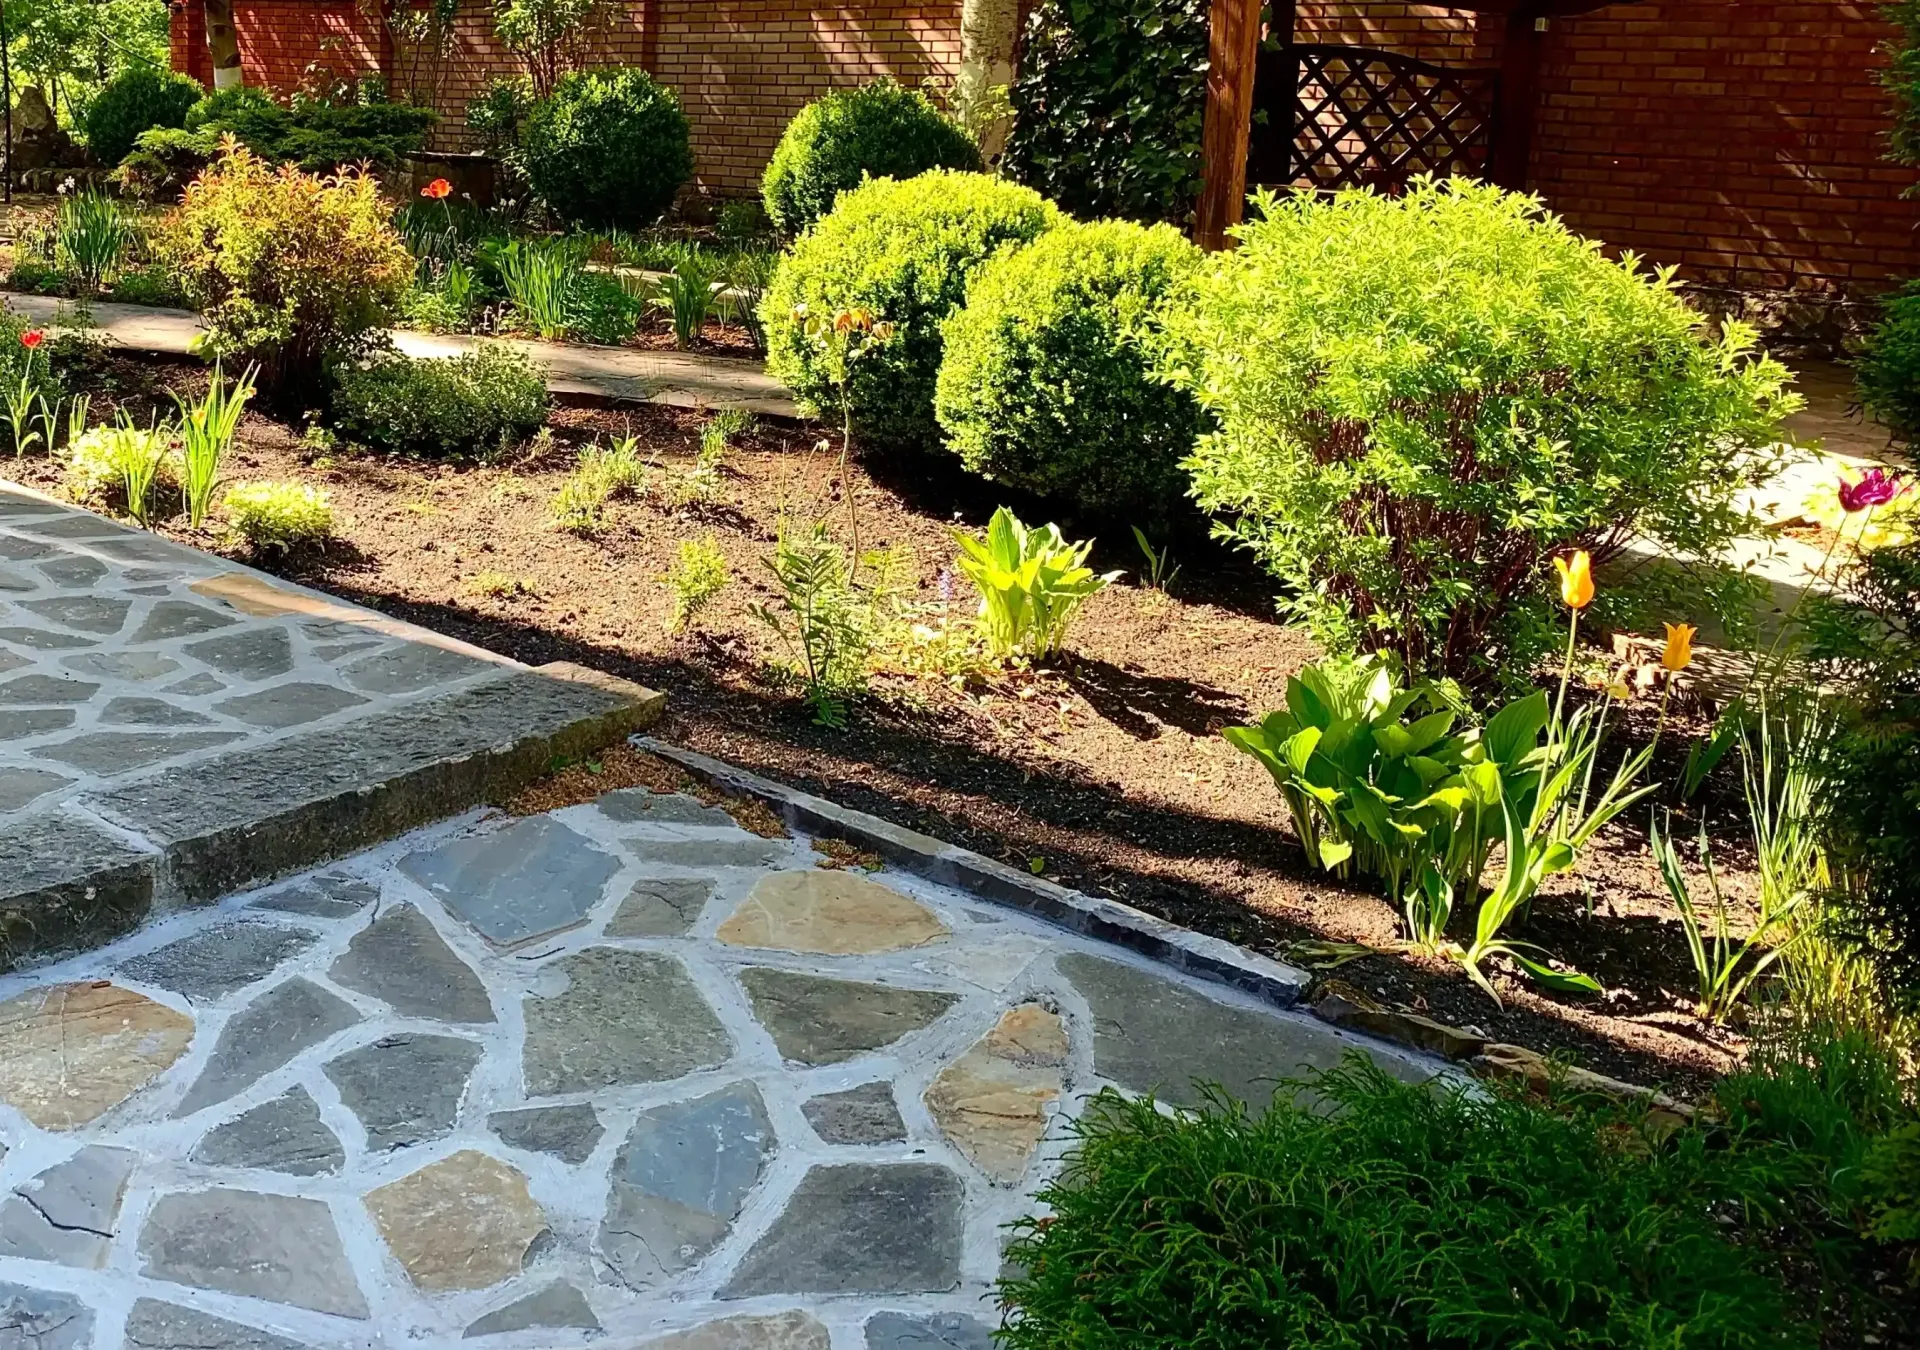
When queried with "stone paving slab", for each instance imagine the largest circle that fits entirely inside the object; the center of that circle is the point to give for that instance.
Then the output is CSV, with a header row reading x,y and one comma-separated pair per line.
x,y
638,1134
680,379
174,726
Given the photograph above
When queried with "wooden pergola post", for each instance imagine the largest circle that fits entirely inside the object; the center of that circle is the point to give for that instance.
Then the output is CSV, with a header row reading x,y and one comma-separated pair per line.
x,y
1233,48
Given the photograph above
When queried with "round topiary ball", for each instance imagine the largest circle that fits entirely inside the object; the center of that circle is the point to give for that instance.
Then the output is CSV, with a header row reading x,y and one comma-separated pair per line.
x,y
1047,380
607,148
880,130
899,254
138,99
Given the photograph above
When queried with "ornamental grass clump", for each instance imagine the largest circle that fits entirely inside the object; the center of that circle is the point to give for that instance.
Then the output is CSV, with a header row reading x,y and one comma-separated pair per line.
x,y
1420,399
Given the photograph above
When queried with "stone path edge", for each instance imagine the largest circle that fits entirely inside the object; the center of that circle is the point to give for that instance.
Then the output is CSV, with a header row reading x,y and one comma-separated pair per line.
x,y
1196,954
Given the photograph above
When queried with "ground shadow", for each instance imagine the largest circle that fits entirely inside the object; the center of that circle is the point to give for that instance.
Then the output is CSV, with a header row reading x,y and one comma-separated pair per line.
x,y
1140,704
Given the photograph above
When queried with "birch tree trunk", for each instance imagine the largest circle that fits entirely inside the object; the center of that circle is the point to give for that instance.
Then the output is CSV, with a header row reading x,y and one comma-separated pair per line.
x,y
223,44
989,30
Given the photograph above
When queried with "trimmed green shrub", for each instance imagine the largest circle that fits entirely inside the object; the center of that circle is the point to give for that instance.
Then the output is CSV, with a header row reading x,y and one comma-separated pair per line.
x,y
280,517
878,131
1108,106
138,99
607,148
480,402
1047,380
1423,399
1889,369
1439,1215
903,252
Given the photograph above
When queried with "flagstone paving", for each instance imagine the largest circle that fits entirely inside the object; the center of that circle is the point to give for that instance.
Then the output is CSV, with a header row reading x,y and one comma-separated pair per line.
x,y
620,1071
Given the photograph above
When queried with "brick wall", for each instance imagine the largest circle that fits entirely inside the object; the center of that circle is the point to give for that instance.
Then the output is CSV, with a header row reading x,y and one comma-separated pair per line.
x,y
1738,138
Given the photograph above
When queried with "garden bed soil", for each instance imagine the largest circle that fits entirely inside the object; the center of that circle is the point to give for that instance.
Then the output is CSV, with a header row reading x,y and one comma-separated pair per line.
x,y
1105,771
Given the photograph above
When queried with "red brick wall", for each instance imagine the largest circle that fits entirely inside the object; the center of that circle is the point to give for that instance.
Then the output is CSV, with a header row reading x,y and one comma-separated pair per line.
x,y
1741,139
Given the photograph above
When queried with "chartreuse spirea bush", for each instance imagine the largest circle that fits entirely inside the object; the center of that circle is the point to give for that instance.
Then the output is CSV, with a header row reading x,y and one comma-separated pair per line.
x,y
279,517
902,254
1047,383
477,403
607,148
289,270
1421,399
1443,1216
879,130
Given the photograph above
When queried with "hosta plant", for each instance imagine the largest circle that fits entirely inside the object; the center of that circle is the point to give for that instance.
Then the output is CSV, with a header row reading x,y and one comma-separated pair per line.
x,y
1032,583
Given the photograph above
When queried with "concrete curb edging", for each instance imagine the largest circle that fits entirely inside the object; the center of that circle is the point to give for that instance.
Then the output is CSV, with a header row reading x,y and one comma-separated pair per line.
x,y
1194,953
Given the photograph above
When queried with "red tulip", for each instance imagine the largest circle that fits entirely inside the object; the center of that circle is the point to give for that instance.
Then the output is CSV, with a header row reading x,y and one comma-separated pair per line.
x,y
1876,487
437,189
32,338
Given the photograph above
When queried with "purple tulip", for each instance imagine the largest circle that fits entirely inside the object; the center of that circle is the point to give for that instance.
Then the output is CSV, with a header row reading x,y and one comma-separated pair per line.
x,y
1876,488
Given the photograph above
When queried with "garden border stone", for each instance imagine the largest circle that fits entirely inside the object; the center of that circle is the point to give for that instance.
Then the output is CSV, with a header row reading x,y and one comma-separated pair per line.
x,y
1208,958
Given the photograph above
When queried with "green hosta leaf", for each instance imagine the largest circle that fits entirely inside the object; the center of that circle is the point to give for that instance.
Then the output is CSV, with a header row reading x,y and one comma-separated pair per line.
x,y
1299,750
1515,729
1334,852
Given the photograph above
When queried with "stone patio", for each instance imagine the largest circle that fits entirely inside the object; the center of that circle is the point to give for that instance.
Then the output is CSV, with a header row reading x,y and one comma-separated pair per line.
x,y
622,1071
173,725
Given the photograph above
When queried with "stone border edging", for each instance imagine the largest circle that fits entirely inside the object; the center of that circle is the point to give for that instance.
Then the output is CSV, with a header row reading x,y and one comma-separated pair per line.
x,y
1208,958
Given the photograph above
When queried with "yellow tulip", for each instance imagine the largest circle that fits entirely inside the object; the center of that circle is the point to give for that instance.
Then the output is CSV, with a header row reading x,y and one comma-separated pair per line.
x,y
1576,580
1679,653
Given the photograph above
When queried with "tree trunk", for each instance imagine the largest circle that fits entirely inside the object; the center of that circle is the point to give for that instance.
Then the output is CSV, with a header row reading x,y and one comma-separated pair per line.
x,y
223,44
989,30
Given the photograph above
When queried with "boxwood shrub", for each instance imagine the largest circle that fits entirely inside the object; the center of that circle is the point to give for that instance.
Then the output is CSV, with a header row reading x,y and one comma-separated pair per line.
x,y
477,403
903,252
138,99
1889,368
1422,399
1047,380
880,130
607,148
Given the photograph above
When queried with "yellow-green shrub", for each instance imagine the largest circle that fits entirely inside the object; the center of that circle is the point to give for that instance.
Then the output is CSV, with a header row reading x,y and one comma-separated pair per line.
x,y
282,516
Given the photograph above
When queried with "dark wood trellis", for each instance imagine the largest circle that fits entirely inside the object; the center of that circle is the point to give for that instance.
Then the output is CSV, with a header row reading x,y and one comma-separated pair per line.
x,y
1336,116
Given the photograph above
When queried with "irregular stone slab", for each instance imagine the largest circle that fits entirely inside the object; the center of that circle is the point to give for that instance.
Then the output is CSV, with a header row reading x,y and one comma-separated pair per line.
x,y
39,1319
623,1017
135,667
256,654
413,667
284,1249
213,962
129,547
68,1212
400,960
639,806
679,1181
153,1325
569,1133
46,689
406,1089
557,1305
43,639
33,721
20,786
794,1330
993,963
102,614
17,583
939,1331
466,1222
70,877
107,752
832,913
743,851
842,1233
149,712
863,1115
1152,1035
73,525
532,879
195,685
817,1020
333,651
10,661
329,897
264,1035
176,619
74,572
283,1135
69,1053
290,705
992,1103
660,907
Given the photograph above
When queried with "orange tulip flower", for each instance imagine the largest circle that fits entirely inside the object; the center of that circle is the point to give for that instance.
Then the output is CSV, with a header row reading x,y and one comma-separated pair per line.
x,y
1679,652
1576,579
437,189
